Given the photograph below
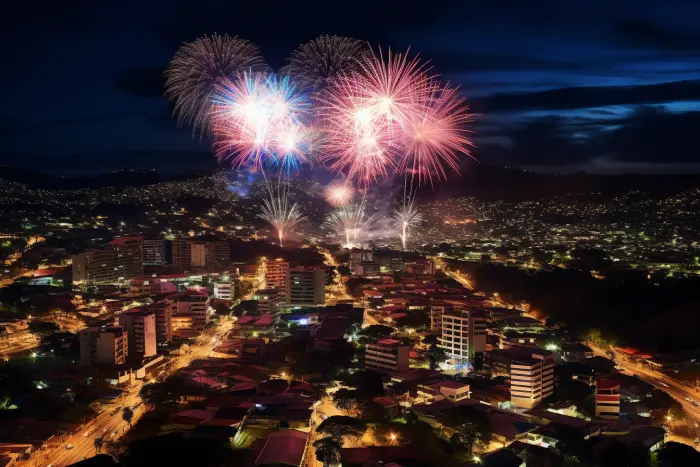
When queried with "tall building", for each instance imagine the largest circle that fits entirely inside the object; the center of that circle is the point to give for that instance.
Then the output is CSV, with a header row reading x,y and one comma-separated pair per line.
x,y
191,254
103,346
269,300
154,252
307,286
140,326
277,277
530,370
463,334
387,355
607,399
189,313
164,325
120,260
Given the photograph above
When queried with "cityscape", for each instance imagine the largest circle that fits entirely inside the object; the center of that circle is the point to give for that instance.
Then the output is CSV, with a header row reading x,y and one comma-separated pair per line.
x,y
283,247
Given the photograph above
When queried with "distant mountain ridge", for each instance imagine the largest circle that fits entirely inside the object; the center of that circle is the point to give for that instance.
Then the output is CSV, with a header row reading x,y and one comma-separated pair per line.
x,y
481,181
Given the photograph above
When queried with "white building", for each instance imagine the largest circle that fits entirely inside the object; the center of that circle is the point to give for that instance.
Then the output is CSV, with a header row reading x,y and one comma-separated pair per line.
x,y
463,334
224,290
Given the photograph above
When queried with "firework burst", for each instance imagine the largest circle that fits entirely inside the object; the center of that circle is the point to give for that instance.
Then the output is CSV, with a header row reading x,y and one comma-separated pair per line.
x,y
314,63
350,222
197,67
261,118
408,218
282,215
339,193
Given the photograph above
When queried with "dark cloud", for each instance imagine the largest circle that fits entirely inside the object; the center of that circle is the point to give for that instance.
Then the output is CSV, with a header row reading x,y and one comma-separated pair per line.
x,y
474,61
645,34
591,96
141,81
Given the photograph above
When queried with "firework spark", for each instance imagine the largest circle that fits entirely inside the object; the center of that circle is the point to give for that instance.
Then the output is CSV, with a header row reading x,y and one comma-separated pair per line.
x,y
314,63
408,219
194,71
282,215
261,118
339,193
350,222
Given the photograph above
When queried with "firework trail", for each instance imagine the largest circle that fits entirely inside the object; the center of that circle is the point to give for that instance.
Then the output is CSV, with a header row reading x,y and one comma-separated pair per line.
x,y
339,193
282,215
350,222
194,71
258,119
408,219
314,63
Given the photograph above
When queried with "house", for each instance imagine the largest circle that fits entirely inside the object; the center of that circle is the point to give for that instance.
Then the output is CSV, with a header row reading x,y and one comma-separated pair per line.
x,y
284,447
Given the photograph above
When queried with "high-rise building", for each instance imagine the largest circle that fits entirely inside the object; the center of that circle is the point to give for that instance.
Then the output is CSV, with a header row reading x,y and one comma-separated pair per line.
x,y
531,373
189,313
307,286
154,252
164,326
140,326
387,355
463,334
224,290
117,262
277,277
103,346
191,254
269,300
607,399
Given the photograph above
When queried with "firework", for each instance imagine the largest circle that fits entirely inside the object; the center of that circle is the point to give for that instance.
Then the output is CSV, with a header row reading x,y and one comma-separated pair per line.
x,y
435,135
408,219
339,193
314,63
194,71
261,118
282,215
350,222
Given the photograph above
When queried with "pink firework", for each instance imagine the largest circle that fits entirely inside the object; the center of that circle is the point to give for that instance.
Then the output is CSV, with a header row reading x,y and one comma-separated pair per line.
x,y
436,135
339,194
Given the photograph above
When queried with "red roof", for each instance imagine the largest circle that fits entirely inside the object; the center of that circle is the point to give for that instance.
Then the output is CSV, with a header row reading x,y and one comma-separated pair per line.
x,y
607,384
283,447
123,240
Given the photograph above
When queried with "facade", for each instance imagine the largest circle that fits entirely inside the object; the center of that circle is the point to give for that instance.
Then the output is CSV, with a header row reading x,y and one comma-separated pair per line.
x,y
191,254
182,253
103,346
277,277
154,252
446,389
607,399
463,334
224,290
164,324
140,326
117,262
387,355
269,300
189,313
531,379
307,286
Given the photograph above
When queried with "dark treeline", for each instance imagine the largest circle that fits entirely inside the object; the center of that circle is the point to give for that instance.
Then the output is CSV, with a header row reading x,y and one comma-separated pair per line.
x,y
626,307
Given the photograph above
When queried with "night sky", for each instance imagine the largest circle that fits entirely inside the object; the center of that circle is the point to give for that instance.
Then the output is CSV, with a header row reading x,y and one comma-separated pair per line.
x,y
596,85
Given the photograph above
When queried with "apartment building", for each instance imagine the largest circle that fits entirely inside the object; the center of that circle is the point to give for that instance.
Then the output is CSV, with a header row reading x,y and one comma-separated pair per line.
x,y
269,300
154,253
189,254
607,399
224,290
140,326
530,370
463,334
103,346
189,313
120,260
164,325
307,286
277,277
387,355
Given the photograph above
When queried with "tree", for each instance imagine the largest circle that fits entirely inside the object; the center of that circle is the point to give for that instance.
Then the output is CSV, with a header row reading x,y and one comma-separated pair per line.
x,y
127,415
339,426
436,356
368,383
328,451
373,333
678,455
472,426
664,405
221,309
43,328
99,441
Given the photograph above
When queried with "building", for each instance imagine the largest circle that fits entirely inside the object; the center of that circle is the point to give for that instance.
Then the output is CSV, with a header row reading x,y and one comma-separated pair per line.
x,y
224,290
189,313
154,252
575,352
530,370
387,355
277,277
307,286
269,300
117,262
189,253
103,346
255,326
445,389
607,399
140,326
463,335
164,324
